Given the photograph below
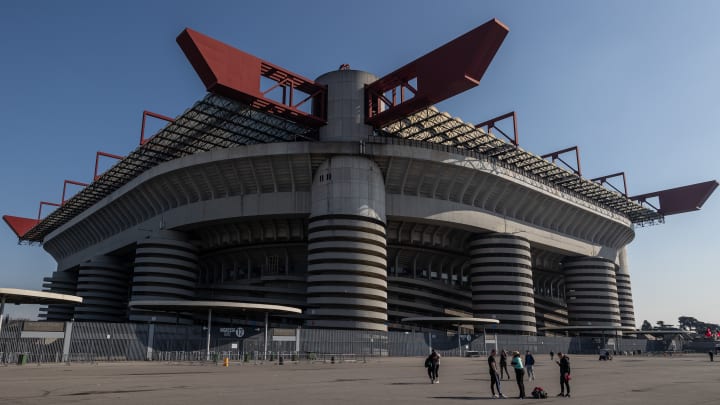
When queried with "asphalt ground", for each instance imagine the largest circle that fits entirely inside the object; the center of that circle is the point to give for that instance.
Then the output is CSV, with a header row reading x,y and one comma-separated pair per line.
x,y
684,379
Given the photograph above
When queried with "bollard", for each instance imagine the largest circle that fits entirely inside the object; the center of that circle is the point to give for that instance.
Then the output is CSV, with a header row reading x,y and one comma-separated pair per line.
x,y
226,362
332,359
280,361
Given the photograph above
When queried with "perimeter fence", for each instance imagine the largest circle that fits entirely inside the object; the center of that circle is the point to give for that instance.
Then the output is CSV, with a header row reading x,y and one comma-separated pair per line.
x,y
31,342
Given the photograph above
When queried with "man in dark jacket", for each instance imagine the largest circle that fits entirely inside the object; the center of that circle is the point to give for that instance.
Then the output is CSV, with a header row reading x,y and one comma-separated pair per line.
x,y
564,364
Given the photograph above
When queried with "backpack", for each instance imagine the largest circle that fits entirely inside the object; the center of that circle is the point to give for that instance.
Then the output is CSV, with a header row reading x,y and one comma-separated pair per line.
x,y
428,362
539,393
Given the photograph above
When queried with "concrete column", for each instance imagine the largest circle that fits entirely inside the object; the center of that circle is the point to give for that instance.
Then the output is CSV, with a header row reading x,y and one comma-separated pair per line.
x,y
151,341
501,282
347,246
346,106
591,292
627,310
66,342
166,268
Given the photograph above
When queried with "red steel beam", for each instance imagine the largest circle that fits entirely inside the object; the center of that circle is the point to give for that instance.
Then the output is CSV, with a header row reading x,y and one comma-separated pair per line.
x,y
146,114
603,180
20,226
443,73
232,73
97,161
77,183
681,199
490,124
556,156
39,218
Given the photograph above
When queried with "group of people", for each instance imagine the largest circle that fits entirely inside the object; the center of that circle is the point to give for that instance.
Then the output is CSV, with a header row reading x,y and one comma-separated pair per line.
x,y
496,372
499,369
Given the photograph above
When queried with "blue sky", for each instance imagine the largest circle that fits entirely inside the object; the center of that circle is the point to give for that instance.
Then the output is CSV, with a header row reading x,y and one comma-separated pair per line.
x,y
633,84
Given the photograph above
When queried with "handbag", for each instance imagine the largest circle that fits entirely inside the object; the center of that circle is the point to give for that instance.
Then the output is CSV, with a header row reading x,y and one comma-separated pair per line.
x,y
567,377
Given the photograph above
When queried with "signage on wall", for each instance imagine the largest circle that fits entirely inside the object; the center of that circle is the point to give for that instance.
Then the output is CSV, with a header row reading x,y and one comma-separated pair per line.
x,y
238,332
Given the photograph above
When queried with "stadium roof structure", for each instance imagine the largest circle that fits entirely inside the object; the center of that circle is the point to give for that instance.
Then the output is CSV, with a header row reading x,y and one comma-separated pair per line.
x,y
236,112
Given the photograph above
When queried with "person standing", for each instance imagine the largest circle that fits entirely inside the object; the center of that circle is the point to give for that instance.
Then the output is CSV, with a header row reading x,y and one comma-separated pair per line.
x,y
529,363
564,364
710,353
503,364
433,361
494,376
552,355
517,364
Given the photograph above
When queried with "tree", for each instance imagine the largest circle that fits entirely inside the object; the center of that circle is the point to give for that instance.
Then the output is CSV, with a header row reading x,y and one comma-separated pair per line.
x,y
646,325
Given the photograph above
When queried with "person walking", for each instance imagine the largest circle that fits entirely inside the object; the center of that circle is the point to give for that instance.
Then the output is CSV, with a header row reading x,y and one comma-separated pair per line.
x,y
433,365
564,364
529,363
552,355
494,376
710,353
517,364
503,364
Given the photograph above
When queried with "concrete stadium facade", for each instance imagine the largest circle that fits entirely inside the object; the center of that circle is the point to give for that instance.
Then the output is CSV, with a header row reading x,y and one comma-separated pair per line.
x,y
358,230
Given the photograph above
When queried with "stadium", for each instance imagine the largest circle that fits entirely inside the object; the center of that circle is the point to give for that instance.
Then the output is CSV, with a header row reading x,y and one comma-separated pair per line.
x,y
352,198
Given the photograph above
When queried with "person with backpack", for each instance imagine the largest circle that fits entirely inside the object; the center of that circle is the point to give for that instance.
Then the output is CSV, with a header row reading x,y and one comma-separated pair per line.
x,y
432,363
529,363
564,364
519,373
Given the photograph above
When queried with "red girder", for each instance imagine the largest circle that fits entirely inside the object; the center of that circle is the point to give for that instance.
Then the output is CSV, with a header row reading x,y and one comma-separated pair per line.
x,y
77,183
490,124
232,73
681,199
97,161
39,218
20,226
445,72
603,180
556,156
153,115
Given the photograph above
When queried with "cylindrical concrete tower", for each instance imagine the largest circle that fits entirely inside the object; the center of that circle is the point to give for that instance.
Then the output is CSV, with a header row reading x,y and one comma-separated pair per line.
x,y
347,253
502,283
61,282
591,292
103,284
346,105
166,267
627,311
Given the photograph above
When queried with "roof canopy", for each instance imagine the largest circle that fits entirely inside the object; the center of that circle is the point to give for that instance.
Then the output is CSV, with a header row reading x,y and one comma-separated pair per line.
x,y
190,305
18,296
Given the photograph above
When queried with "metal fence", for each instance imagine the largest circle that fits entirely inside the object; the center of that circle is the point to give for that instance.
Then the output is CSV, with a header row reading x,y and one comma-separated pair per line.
x,y
95,341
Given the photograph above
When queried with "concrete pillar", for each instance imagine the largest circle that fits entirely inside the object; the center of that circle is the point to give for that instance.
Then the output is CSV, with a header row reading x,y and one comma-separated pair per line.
x,y
501,282
347,246
166,268
66,342
627,310
102,282
591,292
346,106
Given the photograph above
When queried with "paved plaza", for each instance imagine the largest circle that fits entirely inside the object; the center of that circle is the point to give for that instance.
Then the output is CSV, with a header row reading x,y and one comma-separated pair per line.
x,y
685,379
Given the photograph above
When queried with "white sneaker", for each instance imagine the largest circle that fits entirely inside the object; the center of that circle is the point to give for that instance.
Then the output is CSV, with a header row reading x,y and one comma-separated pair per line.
x,y
502,396
495,396
437,381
